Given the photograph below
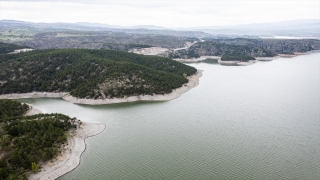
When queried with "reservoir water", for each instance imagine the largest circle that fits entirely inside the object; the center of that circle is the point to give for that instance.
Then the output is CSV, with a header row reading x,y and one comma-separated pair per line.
x,y
247,122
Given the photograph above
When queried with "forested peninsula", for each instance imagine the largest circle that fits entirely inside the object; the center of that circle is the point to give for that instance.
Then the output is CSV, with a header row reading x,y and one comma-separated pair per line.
x,y
248,47
90,74
27,140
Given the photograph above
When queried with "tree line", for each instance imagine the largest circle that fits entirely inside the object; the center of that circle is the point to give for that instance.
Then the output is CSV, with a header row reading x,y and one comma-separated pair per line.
x,y
83,72
9,108
27,140
236,57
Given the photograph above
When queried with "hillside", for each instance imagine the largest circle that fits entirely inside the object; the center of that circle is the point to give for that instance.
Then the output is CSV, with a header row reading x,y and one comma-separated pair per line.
x,y
277,46
209,48
250,47
96,27
9,108
48,36
101,40
97,74
25,141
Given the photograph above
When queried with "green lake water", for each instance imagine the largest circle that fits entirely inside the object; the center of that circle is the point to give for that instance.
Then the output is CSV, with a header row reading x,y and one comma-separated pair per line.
x,y
244,122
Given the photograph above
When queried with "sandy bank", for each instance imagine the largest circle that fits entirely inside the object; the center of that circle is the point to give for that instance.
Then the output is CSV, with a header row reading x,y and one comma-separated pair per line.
x,y
266,58
236,63
32,111
70,157
287,55
33,95
202,58
225,63
193,82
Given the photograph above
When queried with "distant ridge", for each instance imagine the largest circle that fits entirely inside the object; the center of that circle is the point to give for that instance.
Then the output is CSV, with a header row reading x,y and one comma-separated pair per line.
x,y
90,74
77,24
283,23
86,26
301,27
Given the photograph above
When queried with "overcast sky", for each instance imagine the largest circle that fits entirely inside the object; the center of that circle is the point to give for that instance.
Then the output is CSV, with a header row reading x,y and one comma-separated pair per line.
x,y
173,14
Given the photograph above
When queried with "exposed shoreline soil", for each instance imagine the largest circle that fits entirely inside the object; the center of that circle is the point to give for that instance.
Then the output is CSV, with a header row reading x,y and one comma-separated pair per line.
x,y
238,63
71,153
193,82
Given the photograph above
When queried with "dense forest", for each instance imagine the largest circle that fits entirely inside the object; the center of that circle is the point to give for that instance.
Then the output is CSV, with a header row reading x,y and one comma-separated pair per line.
x,y
209,48
249,47
42,39
124,47
7,48
237,57
276,46
90,73
9,108
27,140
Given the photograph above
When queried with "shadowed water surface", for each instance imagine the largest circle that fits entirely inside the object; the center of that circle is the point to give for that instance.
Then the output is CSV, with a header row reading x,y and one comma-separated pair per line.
x,y
245,122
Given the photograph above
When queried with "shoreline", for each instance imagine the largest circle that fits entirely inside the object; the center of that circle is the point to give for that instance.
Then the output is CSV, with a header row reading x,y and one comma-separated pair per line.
x,y
203,58
33,95
224,63
297,54
267,58
236,63
32,111
193,82
70,158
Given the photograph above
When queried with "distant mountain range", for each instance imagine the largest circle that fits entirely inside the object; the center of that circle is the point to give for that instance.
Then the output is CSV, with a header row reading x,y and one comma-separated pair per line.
x,y
86,26
302,27
77,25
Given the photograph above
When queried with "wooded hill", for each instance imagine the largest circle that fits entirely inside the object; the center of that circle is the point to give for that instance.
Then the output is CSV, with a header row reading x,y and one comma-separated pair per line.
x,y
7,48
27,140
90,73
276,46
113,40
249,47
9,108
209,48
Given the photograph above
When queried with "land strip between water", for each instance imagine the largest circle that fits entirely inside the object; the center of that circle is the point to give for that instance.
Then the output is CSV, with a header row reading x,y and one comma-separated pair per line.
x,y
240,63
193,82
71,151
70,156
